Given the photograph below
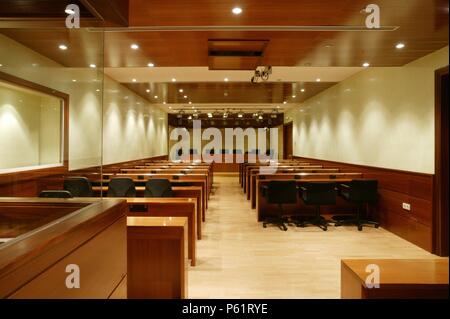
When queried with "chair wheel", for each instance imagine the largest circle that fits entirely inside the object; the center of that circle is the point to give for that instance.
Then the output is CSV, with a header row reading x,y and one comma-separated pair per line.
x,y
264,225
376,226
285,228
360,227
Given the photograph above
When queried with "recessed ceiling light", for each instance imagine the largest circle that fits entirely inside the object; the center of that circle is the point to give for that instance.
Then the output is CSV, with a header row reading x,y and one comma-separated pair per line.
x,y
165,103
151,65
92,65
185,97
226,79
294,96
180,90
318,80
69,11
134,80
209,115
156,96
400,45
284,102
134,46
1,65
148,90
193,107
236,10
278,106
302,90
98,90
63,47
366,64
174,80
170,107
74,80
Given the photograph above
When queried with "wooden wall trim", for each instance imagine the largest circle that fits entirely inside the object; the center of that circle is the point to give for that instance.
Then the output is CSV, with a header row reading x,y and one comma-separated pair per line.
x,y
440,220
397,187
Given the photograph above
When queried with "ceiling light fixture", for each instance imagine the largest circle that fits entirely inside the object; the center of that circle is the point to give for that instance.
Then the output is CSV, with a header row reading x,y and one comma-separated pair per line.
x,y
400,45
92,66
134,80
318,80
151,65
156,96
181,90
294,96
63,47
226,79
284,102
134,46
74,80
302,90
366,64
174,80
148,90
236,10
185,97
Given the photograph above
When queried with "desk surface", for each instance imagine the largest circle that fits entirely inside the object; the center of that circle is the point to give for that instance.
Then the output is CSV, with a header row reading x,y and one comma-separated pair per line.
x,y
402,271
156,221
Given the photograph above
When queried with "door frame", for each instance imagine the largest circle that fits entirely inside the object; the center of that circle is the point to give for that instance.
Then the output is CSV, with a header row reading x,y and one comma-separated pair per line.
x,y
285,125
440,191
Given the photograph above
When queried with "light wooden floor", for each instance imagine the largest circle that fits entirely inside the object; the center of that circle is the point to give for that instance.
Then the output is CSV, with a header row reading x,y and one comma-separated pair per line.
x,y
238,258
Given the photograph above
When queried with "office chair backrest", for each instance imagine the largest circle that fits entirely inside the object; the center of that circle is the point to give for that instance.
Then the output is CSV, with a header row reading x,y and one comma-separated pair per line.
x,y
121,187
55,194
78,186
282,192
158,188
319,193
363,190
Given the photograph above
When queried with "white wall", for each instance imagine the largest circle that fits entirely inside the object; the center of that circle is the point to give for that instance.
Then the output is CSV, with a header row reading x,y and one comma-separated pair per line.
x,y
86,108
133,128
24,141
382,117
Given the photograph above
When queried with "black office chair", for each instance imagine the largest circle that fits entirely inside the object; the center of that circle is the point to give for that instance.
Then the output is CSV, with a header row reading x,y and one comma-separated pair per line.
x,y
279,192
361,192
78,186
158,188
317,194
55,194
121,187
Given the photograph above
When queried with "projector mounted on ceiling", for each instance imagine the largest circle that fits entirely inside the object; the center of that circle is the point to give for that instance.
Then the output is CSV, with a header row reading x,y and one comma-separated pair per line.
x,y
262,74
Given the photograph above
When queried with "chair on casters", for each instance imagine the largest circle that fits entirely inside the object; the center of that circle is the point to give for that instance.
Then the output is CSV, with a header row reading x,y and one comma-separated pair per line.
x,y
361,192
317,194
78,186
279,192
158,188
121,187
55,194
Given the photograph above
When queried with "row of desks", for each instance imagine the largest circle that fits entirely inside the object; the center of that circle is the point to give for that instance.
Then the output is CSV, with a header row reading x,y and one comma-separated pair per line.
x,y
253,178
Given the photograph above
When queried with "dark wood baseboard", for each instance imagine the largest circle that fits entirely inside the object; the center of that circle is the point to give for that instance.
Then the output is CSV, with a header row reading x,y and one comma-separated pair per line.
x,y
395,188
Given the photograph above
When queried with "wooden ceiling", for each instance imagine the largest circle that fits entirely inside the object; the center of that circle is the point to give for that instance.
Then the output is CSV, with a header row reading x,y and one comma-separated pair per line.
x,y
228,93
422,26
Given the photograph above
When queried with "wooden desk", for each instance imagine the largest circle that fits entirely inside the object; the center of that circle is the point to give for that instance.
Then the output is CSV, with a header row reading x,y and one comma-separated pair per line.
x,y
284,174
169,207
399,278
263,208
249,167
54,233
157,257
178,191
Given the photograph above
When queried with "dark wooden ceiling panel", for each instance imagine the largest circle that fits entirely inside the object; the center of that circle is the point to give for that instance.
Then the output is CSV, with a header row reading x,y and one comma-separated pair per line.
x,y
232,93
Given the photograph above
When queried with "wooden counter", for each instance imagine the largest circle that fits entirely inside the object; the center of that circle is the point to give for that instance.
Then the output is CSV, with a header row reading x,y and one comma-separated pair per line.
x,y
54,233
170,207
399,278
157,257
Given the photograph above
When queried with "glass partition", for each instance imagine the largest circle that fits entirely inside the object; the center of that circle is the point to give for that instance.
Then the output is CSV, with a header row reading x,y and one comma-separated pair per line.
x,y
51,109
